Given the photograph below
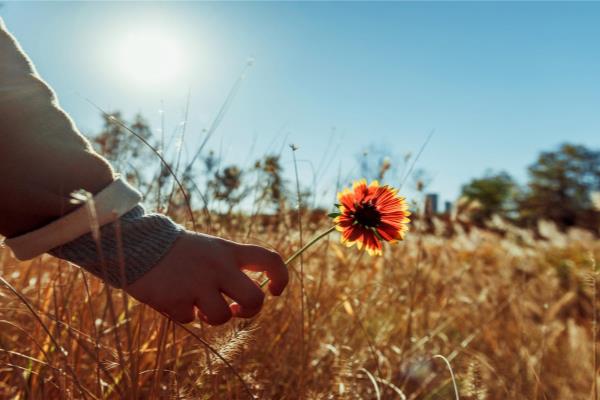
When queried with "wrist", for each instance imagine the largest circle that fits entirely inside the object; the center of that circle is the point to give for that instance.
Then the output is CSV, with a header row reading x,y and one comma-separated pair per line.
x,y
126,249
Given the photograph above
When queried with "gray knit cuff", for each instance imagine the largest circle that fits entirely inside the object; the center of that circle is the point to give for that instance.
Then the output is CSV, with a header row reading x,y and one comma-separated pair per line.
x,y
128,249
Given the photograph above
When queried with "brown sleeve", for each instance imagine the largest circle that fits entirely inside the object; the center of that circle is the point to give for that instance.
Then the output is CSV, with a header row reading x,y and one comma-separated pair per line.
x,y
43,157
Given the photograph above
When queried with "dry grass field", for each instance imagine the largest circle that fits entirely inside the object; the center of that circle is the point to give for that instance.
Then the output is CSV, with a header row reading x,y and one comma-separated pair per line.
x,y
453,311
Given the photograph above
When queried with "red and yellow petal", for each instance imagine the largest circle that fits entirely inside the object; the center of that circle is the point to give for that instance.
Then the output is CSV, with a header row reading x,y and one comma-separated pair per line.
x,y
389,233
346,199
353,234
360,190
372,243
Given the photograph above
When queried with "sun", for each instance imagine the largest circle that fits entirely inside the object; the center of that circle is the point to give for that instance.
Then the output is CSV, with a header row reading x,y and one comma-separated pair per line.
x,y
150,56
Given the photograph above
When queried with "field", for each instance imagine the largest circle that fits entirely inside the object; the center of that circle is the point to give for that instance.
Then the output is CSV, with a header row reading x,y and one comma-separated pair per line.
x,y
244,120
454,310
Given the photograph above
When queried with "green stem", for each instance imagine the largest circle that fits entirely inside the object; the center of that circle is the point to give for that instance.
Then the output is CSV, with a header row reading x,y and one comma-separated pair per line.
x,y
302,250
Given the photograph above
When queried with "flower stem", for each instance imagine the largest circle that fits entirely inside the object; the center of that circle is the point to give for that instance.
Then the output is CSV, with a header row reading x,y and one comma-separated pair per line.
x,y
302,250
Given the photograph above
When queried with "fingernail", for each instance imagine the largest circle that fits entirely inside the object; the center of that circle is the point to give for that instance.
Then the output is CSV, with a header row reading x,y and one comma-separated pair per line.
x,y
235,309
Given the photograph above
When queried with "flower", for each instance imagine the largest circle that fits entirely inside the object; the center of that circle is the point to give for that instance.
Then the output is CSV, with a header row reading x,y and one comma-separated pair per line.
x,y
370,214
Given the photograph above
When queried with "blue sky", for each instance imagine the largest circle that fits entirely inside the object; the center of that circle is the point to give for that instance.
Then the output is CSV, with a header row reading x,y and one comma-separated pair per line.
x,y
498,82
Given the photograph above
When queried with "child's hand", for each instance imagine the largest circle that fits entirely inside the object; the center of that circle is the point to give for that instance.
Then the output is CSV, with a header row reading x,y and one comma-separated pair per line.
x,y
199,269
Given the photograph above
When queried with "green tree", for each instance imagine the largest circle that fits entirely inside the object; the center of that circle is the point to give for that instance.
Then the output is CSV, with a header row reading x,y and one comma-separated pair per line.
x,y
271,185
227,186
561,186
494,193
126,152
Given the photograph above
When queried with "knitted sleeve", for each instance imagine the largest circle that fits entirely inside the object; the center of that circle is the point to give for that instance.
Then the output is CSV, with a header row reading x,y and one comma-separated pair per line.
x,y
127,248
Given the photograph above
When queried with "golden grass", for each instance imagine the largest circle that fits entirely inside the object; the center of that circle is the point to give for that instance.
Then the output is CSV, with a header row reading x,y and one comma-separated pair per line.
x,y
512,315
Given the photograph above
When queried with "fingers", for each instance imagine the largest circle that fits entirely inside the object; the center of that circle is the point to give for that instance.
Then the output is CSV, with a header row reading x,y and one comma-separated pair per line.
x,y
247,294
259,259
183,314
213,308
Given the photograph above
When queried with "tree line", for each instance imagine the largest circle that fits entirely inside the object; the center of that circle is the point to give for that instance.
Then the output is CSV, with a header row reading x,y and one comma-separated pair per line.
x,y
563,186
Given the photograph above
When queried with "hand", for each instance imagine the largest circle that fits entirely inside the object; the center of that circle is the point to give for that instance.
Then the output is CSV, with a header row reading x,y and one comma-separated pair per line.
x,y
199,269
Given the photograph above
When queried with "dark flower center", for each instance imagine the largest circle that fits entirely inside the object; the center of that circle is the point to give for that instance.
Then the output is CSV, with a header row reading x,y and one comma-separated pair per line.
x,y
366,214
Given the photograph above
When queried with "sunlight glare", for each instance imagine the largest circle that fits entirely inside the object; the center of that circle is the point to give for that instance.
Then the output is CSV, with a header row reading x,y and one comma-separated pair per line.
x,y
150,57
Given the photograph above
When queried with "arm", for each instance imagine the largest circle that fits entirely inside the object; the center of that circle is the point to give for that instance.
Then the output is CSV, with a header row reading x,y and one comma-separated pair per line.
x,y
43,159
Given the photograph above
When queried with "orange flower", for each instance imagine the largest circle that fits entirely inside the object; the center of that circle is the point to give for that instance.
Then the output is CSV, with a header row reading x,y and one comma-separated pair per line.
x,y
371,214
